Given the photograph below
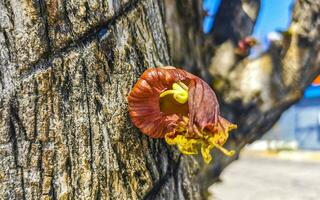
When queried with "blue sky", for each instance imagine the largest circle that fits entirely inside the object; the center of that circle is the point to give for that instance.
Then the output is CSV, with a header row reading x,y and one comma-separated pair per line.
x,y
211,6
273,15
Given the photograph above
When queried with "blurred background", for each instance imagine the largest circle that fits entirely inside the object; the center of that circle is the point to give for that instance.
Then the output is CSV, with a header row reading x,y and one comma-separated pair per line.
x,y
285,162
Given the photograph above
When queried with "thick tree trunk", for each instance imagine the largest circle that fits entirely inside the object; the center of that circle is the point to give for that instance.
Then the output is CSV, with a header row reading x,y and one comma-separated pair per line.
x,y
66,68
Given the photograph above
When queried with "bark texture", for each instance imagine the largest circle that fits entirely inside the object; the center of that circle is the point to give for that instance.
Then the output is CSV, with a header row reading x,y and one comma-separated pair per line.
x,y
66,68
253,92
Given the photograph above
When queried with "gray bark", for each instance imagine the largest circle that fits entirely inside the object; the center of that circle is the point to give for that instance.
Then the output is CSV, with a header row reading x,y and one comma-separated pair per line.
x,y
66,68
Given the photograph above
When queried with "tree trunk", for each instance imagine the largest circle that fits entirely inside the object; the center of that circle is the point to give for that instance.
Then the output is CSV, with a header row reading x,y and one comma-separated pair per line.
x,y
253,93
66,70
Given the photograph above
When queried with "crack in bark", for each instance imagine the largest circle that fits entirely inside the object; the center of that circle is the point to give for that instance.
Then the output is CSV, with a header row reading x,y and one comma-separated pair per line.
x,y
14,141
14,113
22,184
36,101
44,16
172,170
85,80
86,38
41,173
67,19
8,6
122,166
7,42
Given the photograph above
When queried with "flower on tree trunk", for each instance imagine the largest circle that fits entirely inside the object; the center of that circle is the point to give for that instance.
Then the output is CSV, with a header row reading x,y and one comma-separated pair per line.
x,y
173,104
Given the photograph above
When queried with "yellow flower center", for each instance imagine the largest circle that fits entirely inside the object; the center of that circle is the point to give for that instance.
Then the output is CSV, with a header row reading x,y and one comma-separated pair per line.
x,y
188,143
179,92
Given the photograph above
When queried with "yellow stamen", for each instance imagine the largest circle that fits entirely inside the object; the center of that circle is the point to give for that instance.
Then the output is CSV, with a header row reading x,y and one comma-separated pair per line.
x,y
185,145
205,152
179,91
207,141
222,149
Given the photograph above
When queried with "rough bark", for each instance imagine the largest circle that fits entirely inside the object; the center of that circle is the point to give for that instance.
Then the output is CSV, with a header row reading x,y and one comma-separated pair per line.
x,y
253,92
66,68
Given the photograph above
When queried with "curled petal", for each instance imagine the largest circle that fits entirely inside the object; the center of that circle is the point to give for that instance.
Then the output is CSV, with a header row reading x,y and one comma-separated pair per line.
x,y
182,108
144,101
203,105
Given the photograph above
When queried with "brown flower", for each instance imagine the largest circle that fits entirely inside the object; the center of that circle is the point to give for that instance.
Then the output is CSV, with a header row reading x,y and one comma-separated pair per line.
x,y
186,115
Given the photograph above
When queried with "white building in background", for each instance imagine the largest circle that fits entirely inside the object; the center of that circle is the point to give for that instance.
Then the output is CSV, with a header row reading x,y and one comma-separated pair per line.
x,y
298,127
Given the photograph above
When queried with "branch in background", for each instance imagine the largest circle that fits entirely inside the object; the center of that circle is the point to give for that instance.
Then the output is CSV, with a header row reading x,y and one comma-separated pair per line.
x,y
188,47
254,92
235,20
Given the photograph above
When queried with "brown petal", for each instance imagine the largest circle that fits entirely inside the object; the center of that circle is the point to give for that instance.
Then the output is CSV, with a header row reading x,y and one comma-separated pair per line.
x,y
203,104
144,101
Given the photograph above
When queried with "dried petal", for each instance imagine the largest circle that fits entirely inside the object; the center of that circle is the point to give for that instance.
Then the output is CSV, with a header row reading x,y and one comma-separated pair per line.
x,y
172,103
